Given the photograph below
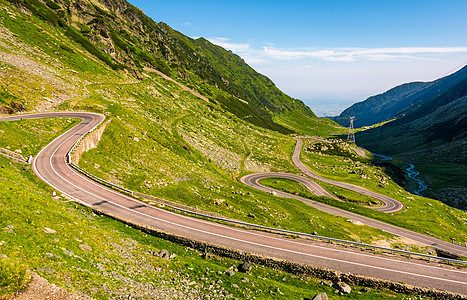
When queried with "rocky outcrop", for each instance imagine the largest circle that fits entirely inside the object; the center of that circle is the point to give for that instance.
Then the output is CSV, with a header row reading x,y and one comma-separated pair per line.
x,y
13,108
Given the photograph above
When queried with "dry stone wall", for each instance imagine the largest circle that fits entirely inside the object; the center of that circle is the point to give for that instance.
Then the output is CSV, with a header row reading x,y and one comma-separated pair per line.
x,y
89,142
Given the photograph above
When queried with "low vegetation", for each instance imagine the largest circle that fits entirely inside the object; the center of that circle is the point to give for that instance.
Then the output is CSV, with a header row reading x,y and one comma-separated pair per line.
x,y
164,141
439,220
13,276
84,252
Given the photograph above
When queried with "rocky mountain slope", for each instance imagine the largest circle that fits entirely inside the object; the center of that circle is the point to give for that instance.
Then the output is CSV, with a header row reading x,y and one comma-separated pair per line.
x,y
398,101
123,37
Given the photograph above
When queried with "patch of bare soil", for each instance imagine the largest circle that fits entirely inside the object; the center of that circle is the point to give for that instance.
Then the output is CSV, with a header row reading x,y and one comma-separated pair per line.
x,y
40,288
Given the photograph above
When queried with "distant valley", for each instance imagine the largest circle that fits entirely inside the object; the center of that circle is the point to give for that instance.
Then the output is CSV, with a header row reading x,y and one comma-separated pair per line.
x,y
429,129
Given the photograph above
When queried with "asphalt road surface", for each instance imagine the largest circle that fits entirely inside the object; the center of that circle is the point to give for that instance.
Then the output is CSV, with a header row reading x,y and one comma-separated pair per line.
x,y
50,165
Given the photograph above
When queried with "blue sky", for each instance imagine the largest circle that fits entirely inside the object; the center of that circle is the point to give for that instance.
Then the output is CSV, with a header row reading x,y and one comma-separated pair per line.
x,y
329,54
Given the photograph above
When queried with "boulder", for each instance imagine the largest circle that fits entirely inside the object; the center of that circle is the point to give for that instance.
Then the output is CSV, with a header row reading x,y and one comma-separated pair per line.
x,y
342,287
320,296
85,247
164,254
230,273
244,267
48,230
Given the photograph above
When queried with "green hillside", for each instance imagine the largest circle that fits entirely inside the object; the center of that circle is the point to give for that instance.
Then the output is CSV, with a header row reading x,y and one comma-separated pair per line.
x,y
381,107
124,38
165,140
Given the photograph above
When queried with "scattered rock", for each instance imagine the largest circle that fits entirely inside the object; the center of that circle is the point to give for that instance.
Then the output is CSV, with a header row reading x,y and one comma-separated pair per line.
x,y
273,193
244,279
52,255
218,201
367,290
48,230
9,228
244,267
85,247
230,273
250,215
2,243
342,287
207,255
320,296
68,252
164,254
3,256
56,240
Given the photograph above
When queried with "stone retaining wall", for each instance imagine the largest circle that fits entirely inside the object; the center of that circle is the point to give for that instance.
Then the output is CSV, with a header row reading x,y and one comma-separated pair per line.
x,y
89,141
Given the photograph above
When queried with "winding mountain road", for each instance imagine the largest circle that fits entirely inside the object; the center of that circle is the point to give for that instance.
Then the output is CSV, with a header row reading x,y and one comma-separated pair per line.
x,y
51,166
389,204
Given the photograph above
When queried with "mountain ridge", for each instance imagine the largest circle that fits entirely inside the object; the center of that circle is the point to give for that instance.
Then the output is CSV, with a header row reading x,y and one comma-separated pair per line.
x,y
123,37
397,101
432,133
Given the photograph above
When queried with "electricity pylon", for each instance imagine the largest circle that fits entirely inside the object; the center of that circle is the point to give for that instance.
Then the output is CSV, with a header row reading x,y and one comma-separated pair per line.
x,y
351,134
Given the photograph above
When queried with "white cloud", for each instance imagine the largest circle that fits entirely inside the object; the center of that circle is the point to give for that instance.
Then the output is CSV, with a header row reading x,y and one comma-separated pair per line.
x,y
250,55
269,53
324,74
234,47
353,54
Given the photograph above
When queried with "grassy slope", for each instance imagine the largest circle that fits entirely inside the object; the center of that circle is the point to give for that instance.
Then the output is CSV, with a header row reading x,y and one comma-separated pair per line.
x,y
173,145
438,220
101,257
158,113
169,142
28,137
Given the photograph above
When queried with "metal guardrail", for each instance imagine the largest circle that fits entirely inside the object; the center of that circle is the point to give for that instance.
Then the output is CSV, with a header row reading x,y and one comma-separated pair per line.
x,y
323,237
391,250
86,173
